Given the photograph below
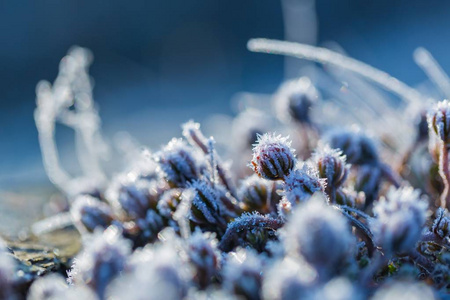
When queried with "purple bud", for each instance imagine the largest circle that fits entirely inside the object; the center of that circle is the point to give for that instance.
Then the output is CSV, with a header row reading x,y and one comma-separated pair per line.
x,y
204,256
294,100
178,163
101,260
400,217
331,165
257,194
90,213
357,147
301,184
242,274
273,157
441,225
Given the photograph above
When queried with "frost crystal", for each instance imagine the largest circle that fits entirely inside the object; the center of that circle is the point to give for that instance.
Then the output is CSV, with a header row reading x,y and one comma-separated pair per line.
x,y
399,219
273,157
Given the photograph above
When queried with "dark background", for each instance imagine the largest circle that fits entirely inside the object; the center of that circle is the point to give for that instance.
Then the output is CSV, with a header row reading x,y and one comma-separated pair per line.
x,y
160,63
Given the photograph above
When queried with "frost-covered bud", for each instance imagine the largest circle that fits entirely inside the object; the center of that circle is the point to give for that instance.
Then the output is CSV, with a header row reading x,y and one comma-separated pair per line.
x,y
178,163
294,100
368,180
168,203
90,213
441,225
439,120
206,209
250,231
321,235
400,217
257,194
102,259
242,274
404,291
273,157
357,147
204,256
301,184
331,165
133,196
147,228
48,287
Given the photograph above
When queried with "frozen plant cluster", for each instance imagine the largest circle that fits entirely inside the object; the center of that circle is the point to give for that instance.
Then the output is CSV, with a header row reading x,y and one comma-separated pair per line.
x,y
308,203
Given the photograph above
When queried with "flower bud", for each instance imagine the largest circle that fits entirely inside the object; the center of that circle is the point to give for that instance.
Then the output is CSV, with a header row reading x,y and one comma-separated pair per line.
x,y
273,157
294,100
134,196
177,163
399,219
331,165
90,213
206,208
441,225
256,194
321,235
242,274
102,259
357,147
204,256
439,120
301,184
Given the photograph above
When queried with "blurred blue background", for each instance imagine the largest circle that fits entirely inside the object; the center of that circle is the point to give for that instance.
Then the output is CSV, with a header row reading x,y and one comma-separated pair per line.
x,y
160,63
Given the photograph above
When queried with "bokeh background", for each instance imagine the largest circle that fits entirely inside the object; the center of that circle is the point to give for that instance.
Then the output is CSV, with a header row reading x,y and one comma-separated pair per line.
x,y
160,63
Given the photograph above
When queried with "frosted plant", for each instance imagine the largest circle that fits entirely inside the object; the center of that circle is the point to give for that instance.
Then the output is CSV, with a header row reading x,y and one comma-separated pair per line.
x,y
89,213
302,183
441,225
399,219
321,235
191,131
273,157
294,100
258,194
132,195
250,230
242,274
71,89
331,165
204,256
102,259
206,207
48,287
439,123
178,163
